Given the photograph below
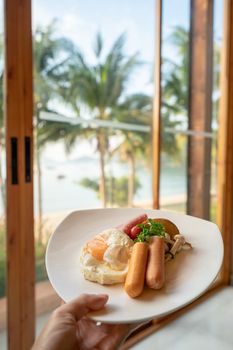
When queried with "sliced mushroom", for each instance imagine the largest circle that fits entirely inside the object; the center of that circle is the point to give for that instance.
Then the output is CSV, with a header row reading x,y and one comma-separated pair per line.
x,y
169,256
187,246
179,242
166,247
168,239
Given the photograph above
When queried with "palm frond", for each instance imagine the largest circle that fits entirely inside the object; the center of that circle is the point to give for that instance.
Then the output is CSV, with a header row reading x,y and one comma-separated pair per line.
x,y
98,45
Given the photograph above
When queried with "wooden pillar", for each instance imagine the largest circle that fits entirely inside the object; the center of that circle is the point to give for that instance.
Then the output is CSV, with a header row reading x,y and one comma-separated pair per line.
x,y
225,143
200,107
19,151
156,125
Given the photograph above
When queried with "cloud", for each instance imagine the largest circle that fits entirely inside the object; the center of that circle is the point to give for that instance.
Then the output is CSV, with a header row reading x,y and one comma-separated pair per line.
x,y
81,26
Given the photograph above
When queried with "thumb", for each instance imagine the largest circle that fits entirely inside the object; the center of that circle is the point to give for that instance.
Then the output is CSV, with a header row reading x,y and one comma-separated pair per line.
x,y
80,306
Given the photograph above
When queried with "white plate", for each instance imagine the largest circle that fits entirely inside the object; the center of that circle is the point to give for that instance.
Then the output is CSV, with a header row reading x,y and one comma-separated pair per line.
x,y
187,276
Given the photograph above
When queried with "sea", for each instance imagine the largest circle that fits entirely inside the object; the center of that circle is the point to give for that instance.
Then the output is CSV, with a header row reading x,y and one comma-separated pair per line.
x,y
61,176
61,189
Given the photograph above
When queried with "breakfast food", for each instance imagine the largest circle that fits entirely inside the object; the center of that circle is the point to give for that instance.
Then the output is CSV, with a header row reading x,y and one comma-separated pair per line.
x,y
134,282
133,253
130,226
104,259
169,226
155,274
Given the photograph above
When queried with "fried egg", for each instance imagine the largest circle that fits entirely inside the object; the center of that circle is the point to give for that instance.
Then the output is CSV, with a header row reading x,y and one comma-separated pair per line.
x,y
104,259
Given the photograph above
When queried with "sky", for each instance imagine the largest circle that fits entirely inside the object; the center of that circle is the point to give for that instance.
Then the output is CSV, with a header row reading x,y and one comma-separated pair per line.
x,y
79,20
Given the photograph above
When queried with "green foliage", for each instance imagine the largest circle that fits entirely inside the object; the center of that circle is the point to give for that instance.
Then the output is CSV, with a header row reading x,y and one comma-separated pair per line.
x,y
135,109
41,273
51,55
149,229
100,85
2,277
175,77
117,189
2,260
175,81
91,184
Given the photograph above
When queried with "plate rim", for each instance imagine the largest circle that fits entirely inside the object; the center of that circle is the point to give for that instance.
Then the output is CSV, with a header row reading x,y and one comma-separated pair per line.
x,y
142,319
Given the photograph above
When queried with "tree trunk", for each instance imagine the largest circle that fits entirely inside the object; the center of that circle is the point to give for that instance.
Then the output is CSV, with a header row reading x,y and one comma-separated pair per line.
x,y
131,178
102,186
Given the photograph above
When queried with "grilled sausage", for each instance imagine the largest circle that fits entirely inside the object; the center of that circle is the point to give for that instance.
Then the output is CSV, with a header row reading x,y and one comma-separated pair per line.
x,y
135,278
138,220
155,274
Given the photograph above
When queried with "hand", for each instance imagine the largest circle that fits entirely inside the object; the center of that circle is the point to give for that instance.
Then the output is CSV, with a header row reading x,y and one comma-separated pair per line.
x,y
69,329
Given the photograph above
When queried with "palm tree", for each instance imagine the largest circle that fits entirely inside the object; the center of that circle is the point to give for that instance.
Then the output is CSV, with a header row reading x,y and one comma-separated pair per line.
x,y
132,146
175,83
175,75
136,109
51,56
97,89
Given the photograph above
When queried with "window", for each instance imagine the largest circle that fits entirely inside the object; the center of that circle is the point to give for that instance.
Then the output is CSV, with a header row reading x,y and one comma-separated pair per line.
x,y
76,137
93,91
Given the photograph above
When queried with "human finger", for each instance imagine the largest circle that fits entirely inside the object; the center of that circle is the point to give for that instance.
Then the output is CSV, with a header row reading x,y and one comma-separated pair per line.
x,y
80,306
118,335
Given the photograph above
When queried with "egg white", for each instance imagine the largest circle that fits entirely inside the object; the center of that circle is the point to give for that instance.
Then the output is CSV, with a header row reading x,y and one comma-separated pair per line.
x,y
114,266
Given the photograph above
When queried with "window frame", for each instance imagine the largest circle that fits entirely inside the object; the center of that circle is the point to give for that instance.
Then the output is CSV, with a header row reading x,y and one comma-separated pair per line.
x,y
19,124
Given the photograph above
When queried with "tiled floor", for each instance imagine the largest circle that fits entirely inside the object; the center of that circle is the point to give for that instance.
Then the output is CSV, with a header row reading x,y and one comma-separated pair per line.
x,y
207,326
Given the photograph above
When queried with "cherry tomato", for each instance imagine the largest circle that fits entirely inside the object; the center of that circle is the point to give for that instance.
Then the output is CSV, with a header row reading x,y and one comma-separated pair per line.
x,y
134,232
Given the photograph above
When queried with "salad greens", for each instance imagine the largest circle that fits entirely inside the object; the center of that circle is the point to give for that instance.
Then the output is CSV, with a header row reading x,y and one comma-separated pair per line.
x,y
148,229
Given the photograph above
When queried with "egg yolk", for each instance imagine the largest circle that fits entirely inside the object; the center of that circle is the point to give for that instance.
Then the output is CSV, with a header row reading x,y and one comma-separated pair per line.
x,y
97,247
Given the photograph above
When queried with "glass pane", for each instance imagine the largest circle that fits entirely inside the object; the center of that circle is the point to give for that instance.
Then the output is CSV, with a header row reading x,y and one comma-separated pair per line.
x,y
93,68
203,149
175,79
2,197
174,111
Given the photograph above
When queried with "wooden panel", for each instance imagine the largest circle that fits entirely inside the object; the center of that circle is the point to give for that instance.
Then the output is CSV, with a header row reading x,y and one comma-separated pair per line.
x,y
20,237
156,129
225,144
200,107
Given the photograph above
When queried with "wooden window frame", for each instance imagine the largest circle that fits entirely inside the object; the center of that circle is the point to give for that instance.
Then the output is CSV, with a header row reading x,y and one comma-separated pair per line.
x,y
225,134
200,107
18,81
19,112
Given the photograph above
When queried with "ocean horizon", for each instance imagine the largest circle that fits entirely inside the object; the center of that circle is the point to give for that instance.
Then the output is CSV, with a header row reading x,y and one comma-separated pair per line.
x,y
61,189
